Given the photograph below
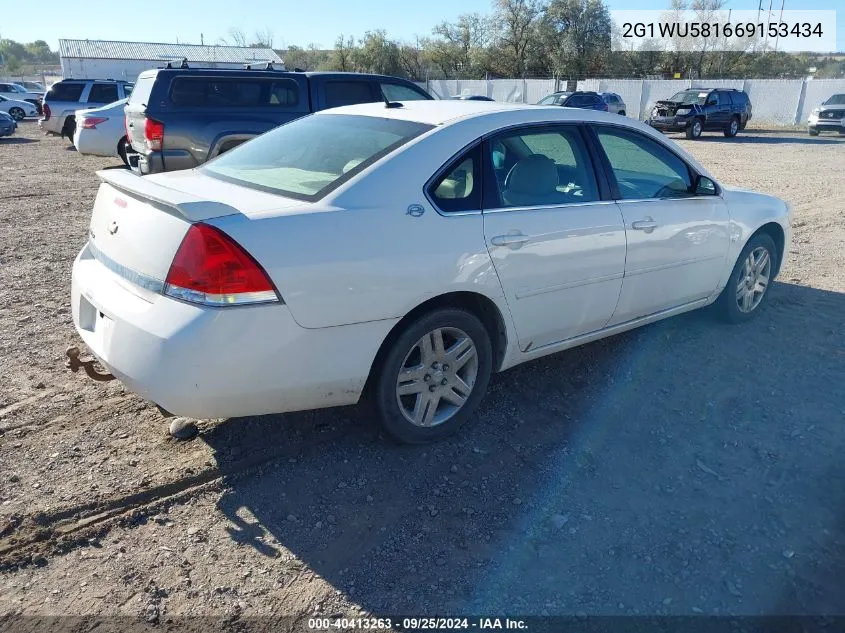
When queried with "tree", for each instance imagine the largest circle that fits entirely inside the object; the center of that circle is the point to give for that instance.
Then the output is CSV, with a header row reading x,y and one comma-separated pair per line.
x,y
517,32
237,37
309,58
578,36
263,39
459,49
341,58
377,54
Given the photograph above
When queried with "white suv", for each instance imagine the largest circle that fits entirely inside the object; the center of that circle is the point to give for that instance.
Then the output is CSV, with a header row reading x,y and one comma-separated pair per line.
x,y
69,95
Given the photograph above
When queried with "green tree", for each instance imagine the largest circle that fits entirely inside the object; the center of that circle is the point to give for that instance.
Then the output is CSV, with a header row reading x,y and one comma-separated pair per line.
x,y
577,33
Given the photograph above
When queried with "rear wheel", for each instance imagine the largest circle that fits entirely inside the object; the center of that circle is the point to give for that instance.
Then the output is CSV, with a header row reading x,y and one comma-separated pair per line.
x,y
813,132
750,279
433,376
622,112
694,129
69,128
121,151
17,114
733,127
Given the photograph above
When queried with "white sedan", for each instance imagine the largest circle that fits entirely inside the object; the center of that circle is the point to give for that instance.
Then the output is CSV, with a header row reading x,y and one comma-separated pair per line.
x,y
404,252
101,131
18,110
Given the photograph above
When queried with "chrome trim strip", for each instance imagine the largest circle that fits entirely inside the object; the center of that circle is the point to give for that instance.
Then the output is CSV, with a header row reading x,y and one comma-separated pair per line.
x,y
565,205
144,281
572,284
684,262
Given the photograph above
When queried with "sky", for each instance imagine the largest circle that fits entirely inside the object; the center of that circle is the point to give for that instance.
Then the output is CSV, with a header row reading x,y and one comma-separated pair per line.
x,y
319,23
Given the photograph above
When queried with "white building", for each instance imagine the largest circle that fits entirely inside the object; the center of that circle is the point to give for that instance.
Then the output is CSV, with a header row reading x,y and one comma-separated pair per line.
x,y
101,59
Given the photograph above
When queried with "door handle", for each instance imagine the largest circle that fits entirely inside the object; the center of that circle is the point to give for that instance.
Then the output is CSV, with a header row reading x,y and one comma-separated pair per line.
x,y
644,225
509,240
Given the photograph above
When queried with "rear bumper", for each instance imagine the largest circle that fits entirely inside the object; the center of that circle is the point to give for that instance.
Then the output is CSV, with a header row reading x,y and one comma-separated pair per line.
x,y
87,143
8,130
157,162
53,125
217,362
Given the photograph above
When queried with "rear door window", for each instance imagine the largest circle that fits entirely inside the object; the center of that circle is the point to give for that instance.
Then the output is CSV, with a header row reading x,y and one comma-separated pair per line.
x,y
398,92
65,91
103,93
212,92
341,93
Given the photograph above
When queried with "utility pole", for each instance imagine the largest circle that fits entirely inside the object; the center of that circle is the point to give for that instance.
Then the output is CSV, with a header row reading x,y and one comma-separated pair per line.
x,y
780,19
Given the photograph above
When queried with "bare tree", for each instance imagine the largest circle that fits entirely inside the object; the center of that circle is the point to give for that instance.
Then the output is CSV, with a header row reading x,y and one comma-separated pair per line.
x,y
516,26
237,37
263,39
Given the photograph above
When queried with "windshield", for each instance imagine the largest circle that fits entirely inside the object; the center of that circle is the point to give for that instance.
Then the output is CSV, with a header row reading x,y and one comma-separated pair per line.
x,y
309,157
836,100
17,88
690,97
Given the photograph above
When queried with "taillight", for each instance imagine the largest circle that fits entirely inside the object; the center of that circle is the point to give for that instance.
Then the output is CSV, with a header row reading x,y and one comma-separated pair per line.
x,y
211,269
91,123
46,110
126,127
154,134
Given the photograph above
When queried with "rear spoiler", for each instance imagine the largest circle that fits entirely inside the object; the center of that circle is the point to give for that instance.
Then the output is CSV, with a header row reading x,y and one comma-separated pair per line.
x,y
189,206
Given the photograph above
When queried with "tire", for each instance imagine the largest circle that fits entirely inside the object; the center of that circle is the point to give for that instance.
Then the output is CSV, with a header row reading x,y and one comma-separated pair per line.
x,y
407,417
731,301
813,132
17,114
694,129
733,127
622,113
69,128
121,151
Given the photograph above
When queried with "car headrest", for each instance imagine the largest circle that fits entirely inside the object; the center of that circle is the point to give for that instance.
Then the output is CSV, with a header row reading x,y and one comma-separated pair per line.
x,y
535,174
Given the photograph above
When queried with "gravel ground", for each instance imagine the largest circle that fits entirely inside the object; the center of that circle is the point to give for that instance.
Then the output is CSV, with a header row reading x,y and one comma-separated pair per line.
x,y
688,467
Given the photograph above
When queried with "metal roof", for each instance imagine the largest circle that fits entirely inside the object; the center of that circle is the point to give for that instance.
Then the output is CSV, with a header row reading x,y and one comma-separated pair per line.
x,y
104,49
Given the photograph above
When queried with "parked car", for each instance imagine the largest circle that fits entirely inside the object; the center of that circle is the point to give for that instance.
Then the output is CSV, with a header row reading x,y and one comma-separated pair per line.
x,y
556,98
19,93
604,101
355,252
101,131
699,109
179,118
471,98
829,116
69,95
18,110
8,125
34,86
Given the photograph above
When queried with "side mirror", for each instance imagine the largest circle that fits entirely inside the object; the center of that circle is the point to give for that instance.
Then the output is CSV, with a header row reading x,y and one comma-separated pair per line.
x,y
711,102
704,186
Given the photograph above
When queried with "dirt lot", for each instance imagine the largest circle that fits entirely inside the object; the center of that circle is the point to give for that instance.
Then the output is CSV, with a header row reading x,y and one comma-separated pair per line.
x,y
685,468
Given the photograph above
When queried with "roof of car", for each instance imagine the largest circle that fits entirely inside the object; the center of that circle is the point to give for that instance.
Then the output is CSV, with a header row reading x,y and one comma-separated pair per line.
x,y
442,111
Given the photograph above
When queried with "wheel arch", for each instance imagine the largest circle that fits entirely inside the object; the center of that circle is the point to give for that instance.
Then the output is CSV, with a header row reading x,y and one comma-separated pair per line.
x,y
481,306
776,232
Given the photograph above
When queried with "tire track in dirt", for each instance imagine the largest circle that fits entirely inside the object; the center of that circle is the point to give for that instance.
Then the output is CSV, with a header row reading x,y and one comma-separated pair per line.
x,y
31,539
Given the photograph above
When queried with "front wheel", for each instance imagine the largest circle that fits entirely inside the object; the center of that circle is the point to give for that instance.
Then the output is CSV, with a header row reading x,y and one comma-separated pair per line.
x,y
694,129
17,114
748,285
733,128
433,376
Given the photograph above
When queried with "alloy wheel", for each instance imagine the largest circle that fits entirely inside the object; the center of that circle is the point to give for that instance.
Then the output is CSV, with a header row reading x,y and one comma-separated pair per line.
x,y
437,377
753,279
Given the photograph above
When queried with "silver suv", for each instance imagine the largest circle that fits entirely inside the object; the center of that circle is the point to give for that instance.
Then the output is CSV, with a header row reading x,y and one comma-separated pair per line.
x,y
69,95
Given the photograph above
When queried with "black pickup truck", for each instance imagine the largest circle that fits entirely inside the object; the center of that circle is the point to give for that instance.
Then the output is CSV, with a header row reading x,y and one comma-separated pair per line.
x,y
698,109
178,118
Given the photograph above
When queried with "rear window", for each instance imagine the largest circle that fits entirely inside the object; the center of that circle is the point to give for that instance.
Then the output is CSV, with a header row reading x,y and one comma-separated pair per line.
x,y
309,157
341,93
581,100
103,93
65,91
142,90
212,92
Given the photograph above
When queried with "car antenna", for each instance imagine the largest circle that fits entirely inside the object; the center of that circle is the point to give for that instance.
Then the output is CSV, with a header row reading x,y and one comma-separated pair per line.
x,y
388,103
